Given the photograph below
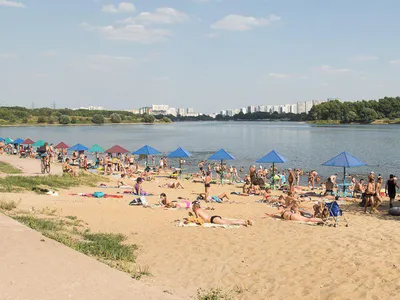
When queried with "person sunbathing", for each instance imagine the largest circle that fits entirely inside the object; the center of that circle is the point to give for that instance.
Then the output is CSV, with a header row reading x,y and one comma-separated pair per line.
x,y
172,185
184,204
200,213
289,215
68,169
220,198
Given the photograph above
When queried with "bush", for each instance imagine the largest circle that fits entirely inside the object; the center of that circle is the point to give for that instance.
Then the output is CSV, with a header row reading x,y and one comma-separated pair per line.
x,y
98,119
148,118
41,119
73,120
52,120
25,120
64,120
166,120
115,118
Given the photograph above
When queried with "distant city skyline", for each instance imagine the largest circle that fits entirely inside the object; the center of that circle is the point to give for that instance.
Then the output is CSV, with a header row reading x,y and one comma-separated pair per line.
x,y
210,55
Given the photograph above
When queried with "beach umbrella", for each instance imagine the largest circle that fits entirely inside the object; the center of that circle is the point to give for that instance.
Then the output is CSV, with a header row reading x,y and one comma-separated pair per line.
x,y
221,155
146,150
28,142
345,160
61,145
78,147
116,149
273,158
1,139
39,143
18,141
8,141
96,149
180,153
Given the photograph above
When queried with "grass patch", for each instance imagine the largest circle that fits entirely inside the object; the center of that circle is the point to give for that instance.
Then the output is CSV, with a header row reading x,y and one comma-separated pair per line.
x,y
8,169
142,271
19,183
8,205
105,247
213,294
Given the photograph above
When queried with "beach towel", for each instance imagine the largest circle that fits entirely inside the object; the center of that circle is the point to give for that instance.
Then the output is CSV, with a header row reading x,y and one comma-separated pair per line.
x,y
98,194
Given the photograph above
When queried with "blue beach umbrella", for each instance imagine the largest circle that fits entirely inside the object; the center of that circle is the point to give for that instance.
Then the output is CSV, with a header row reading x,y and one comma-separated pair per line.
x,y
221,155
345,160
78,147
1,139
96,149
18,141
274,158
146,150
8,141
180,153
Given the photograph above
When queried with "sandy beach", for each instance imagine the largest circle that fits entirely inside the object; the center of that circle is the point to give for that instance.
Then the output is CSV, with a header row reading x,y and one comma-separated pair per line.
x,y
274,259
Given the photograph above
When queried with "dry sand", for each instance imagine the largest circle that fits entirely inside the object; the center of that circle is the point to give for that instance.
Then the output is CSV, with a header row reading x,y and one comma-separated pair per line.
x,y
273,259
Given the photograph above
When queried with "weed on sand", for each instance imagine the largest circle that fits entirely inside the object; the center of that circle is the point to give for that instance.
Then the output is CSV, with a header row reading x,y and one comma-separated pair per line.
x,y
8,169
20,183
106,247
8,205
213,294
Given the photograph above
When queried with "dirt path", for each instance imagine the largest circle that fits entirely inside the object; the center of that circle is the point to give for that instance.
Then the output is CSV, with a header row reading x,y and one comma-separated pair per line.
x,y
29,167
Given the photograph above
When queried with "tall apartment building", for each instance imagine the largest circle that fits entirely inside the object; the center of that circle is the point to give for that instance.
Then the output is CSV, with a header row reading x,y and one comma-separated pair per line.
x,y
243,110
262,108
275,108
301,107
293,108
251,109
269,108
159,109
309,105
182,112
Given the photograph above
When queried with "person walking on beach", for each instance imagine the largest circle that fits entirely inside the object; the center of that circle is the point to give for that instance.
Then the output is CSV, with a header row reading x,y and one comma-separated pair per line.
x,y
207,183
390,189
369,194
377,197
298,174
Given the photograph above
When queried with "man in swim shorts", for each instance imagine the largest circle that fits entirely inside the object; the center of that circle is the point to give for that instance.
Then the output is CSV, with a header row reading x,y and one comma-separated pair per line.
x,y
390,188
216,219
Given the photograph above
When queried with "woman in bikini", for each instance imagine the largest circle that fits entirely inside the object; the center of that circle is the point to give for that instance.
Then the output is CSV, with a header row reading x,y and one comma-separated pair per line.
x,y
287,214
185,204
216,219
172,185
369,194
207,183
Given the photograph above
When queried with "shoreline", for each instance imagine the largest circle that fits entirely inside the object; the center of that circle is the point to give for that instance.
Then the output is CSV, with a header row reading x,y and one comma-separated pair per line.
x,y
67,125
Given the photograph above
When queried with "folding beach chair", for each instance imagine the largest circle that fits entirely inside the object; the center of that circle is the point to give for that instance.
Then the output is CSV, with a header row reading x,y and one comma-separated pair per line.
x,y
335,213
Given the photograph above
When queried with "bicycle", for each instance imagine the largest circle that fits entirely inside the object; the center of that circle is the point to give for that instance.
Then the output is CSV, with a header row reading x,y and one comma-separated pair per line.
x,y
45,164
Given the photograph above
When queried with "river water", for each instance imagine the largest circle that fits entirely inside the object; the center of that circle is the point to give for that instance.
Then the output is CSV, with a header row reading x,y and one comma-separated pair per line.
x,y
305,146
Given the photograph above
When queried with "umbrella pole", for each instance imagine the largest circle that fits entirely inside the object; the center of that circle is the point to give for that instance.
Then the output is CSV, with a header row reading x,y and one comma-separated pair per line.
x,y
344,181
273,175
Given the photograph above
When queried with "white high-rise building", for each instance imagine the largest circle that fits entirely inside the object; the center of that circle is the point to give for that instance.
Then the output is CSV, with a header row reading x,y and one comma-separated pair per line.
x,y
287,108
269,108
243,110
251,109
172,111
190,110
309,105
301,107
275,108
223,112
262,108
236,111
293,108
182,112
229,112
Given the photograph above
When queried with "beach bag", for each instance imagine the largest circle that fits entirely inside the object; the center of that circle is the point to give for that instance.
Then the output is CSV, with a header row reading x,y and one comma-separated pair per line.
x,y
334,209
98,194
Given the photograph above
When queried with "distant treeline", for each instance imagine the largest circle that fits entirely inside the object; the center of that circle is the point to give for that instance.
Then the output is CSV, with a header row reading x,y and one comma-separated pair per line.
x,y
22,115
264,116
359,111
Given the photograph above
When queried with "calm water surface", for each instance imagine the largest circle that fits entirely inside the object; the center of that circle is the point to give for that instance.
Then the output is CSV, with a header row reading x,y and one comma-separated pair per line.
x,y
305,146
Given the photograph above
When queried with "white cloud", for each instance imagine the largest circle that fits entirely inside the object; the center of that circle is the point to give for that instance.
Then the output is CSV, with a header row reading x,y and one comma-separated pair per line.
x,y
242,23
123,7
134,33
8,55
48,53
12,4
109,58
394,62
362,58
162,15
279,75
330,69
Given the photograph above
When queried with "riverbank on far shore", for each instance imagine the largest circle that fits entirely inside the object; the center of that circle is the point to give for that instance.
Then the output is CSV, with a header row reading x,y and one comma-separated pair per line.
x,y
338,122
82,124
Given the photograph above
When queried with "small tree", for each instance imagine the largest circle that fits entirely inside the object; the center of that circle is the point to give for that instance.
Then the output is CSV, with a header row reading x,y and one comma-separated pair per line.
x,y
148,118
64,119
166,120
73,120
115,118
41,119
98,119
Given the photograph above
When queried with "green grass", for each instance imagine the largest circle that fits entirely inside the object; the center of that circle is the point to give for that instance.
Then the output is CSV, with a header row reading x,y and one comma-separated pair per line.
x,y
55,182
213,294
8,169
8,205
105,247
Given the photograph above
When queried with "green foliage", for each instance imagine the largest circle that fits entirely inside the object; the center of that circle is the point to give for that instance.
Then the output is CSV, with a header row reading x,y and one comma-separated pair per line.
x,y
17,183
98,119
166,120
64,119
148,118
41,120
8,169
115,118
39,224
73,120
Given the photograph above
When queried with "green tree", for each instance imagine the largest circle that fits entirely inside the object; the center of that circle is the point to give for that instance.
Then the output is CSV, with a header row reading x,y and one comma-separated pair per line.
x,y
148,118
115,118
64,119
98,119
73,120
41,119
369,115
166,120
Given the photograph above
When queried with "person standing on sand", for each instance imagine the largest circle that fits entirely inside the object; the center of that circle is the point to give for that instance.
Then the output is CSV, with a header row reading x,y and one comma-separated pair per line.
x,y
207,183
377,197
298,174
291,180
216,219
390,189
369,194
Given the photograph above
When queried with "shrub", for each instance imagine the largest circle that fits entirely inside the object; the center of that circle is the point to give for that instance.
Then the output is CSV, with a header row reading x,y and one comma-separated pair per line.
x,y
115,118
41,119
148,118
64,120
98,119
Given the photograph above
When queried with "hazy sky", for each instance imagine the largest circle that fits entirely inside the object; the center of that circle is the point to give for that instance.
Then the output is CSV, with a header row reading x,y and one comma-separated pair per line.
x,y
206,54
